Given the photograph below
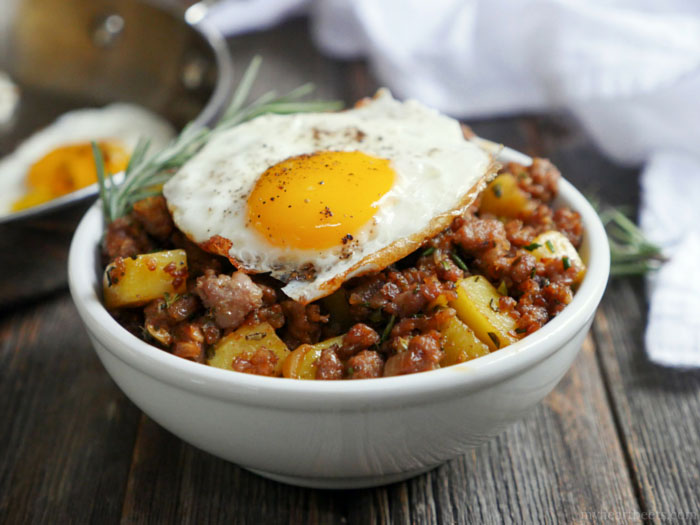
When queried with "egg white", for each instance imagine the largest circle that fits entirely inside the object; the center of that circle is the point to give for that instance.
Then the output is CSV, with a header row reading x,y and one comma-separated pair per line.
x,y
436,169
121,123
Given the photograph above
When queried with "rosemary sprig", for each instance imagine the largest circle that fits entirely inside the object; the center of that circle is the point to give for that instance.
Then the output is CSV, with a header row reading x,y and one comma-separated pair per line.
x,y
631,253
145,174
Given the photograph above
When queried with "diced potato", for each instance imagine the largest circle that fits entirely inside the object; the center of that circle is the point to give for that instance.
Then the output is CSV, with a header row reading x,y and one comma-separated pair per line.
x,y
554,245
460,343
244,342
302,362
129,282
477,306
504,198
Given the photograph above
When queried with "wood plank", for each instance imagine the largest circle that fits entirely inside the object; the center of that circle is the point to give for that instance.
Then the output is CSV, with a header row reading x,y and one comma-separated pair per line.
x,y
67,432
656,408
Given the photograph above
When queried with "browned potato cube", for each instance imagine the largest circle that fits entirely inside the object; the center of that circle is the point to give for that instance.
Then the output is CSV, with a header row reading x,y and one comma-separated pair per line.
x,y
135,281
302,362
460,343
477,306
504,198
554,245
245,342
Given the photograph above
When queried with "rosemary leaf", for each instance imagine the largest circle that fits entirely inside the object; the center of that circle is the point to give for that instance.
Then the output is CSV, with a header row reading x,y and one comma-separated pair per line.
x,y
631,253
138,154
244,86
100,168
387,329
458,261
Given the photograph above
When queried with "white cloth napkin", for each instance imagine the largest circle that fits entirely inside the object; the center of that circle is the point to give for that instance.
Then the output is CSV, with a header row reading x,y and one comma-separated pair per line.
x,y
628,69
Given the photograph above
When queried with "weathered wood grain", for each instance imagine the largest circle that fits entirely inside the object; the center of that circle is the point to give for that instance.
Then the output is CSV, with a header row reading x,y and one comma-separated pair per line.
x,y
657,409
67,432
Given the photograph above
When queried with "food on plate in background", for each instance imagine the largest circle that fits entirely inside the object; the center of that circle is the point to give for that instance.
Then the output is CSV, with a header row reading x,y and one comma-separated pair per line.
x,y
366,243
58,159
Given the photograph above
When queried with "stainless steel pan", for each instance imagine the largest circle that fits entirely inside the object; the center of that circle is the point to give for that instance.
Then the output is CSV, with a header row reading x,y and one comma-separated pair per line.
x,y
66,54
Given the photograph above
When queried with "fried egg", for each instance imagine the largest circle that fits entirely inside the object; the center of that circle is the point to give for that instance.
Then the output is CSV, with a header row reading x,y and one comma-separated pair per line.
x,y
316,199
58,159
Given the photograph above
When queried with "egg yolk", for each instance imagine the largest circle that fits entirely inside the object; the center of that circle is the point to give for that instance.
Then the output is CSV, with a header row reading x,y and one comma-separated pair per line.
x,y
67,169
320,200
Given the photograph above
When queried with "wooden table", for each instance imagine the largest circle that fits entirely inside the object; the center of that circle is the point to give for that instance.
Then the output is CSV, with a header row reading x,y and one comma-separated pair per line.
x,y
618,440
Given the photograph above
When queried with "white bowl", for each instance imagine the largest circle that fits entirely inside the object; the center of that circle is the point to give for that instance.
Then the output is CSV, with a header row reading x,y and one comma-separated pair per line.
x,y
341,434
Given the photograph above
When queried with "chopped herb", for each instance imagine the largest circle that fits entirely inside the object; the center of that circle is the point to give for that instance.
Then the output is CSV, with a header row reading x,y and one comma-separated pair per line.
x,y
532,246
476,280
459,262
566,262
387,330
351,371
170,299
520,330
366,305
428,251
493,306
255,336
533,272
516,260
445,264
631,253
495,339
550,246
497,191
108,273
503,288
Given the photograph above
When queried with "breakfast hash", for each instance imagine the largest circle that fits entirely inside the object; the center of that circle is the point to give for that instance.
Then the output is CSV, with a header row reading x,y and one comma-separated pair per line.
x,y
366,243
